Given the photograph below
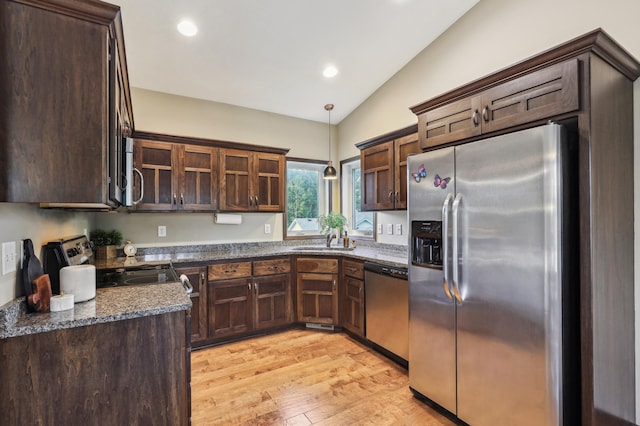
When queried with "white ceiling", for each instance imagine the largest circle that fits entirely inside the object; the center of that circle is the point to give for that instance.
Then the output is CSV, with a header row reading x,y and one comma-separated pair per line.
x,y
269,54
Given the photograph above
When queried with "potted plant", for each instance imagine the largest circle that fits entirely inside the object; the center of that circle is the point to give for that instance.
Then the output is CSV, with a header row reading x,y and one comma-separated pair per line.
x,y
106,242
330,222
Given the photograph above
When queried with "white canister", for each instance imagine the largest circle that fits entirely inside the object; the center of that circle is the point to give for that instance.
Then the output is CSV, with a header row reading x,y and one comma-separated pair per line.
x,y
79,280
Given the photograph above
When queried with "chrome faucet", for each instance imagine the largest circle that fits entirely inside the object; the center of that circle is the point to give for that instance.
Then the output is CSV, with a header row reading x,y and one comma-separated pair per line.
x,y
329,238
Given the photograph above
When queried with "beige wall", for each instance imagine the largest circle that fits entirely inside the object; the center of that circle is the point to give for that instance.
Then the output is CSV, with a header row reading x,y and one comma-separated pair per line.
x,y
22,221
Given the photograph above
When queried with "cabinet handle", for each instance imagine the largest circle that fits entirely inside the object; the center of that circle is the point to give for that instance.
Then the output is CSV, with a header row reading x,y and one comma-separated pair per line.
x,y
397,195
334,284
352,270
202,276
474,117
390,195
485,114
249,286
256,287
175,199
257,203
182,199
230,271
251,202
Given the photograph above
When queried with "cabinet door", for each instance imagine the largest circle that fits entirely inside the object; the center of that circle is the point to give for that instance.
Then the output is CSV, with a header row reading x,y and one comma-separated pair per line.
x,y
198,178
268,185
235,180
452,122
377,171
541,94
157,162
230,307
403,147
353,305
318,298
197,277
272,298
54,102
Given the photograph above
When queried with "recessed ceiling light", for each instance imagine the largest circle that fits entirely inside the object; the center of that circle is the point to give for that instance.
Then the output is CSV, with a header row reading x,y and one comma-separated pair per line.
x,y
330,71
187,28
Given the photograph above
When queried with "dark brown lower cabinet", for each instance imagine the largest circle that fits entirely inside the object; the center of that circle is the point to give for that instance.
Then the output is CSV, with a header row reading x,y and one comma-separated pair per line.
x,y
317,290
198,277
134,371
272,300
230,310
246,296
352,298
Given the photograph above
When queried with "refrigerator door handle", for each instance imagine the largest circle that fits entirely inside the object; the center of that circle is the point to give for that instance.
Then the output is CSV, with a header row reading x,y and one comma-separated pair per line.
x,y
445,246
456,248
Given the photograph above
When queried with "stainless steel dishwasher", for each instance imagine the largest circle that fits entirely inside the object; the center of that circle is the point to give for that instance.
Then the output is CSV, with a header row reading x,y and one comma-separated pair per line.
x,y
386,291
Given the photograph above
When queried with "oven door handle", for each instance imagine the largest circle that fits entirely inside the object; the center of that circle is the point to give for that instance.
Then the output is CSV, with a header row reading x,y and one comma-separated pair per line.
x,y
186,284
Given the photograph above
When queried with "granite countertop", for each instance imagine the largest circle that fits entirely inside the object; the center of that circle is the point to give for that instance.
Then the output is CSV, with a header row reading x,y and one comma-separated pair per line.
x,y
121,303
388,255
112,304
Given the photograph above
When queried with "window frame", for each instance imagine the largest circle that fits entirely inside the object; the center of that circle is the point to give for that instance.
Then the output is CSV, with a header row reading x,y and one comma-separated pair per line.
x,y
343,181
328,196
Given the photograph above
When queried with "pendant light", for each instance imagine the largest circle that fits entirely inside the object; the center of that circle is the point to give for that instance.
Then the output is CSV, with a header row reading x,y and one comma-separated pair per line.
x,y
330,171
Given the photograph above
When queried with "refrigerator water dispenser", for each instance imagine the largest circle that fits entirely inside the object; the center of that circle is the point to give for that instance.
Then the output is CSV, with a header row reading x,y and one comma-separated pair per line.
x,y
426,239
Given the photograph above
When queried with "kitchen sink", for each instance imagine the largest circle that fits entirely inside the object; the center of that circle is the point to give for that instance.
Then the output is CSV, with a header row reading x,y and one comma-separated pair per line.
x,y
322,248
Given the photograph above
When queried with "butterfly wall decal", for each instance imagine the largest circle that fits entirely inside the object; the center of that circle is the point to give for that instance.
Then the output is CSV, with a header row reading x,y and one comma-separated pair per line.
x,y
441,182
420,173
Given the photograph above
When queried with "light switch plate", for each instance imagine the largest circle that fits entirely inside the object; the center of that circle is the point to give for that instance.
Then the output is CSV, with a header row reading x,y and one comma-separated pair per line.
x,y
398,229
267,228
8,257
162,231
379,228
390,229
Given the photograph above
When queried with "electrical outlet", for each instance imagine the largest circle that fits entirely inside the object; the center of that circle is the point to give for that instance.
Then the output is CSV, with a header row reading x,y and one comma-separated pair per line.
x,y
267,228
398,228
379,228
390,229
162,231
8,257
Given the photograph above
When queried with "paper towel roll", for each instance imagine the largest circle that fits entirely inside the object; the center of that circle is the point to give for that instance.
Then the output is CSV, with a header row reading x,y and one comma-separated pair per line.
x,y
79,280
61,302
227,218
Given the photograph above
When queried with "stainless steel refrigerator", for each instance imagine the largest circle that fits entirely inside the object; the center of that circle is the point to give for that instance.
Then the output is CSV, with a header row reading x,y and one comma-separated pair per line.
x,y
492,285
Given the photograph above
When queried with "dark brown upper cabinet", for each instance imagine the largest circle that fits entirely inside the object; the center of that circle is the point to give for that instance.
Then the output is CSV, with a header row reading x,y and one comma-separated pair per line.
x,y
543,94
64,99
587,85
251,181
177,177
383,161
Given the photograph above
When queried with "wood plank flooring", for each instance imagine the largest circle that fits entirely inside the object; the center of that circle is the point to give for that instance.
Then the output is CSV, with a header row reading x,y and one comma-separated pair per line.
x,y
302,377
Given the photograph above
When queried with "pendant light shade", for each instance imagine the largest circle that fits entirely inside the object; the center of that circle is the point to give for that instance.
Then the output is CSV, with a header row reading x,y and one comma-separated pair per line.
x,y
329,171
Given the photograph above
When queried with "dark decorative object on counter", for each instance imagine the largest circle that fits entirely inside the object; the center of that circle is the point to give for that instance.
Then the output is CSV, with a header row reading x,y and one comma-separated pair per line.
x,y
106,242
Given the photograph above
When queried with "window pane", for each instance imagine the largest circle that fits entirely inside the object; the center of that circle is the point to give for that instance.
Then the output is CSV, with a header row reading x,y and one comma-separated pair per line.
x,y
361,223
306,197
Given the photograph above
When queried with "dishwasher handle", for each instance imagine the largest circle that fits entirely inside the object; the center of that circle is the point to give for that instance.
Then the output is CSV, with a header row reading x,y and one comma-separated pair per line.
x,y
392,271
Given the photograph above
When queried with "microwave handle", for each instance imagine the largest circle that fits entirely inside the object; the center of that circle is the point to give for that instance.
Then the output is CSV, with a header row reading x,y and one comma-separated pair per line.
x,y
141,186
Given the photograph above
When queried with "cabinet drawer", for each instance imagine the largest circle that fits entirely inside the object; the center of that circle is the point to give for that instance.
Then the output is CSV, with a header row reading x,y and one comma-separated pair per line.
x,y
229,270
353,269
310,264
272,266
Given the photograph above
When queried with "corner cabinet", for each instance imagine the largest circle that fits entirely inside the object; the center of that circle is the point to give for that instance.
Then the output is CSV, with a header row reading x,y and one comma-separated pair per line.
x,y
317,290
383,162
177,177
251,181
587,85
61,63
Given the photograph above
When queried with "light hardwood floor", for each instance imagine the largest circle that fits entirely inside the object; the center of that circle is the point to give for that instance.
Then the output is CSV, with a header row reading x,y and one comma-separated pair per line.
x,y
302,377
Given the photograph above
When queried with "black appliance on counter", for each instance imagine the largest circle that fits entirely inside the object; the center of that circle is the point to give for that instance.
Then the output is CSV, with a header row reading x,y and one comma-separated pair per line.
x,y
56,255
78,250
